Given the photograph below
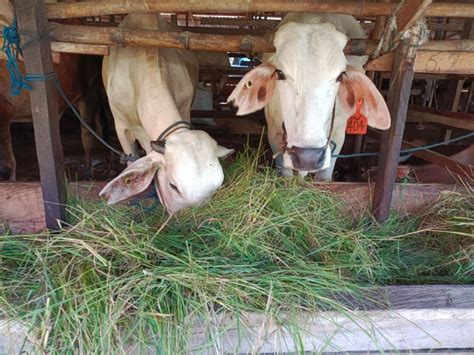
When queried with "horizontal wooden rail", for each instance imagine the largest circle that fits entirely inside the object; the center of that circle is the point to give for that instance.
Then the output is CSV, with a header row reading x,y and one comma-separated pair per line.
x,y
22,202
238,22
390,319
447,118
118,36
433,62
84,9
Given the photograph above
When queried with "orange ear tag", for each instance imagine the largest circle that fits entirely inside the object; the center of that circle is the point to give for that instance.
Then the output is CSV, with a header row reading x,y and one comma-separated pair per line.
x,y
357,123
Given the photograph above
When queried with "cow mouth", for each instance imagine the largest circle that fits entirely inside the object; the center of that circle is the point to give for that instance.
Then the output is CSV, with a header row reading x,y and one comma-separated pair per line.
x,y
306,159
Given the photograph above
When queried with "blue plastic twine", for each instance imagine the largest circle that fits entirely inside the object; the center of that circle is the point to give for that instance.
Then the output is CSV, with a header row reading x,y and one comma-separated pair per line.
x,y
11,48
152,195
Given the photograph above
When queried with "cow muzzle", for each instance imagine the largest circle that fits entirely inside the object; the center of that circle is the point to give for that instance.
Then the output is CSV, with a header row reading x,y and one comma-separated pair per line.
x,y
307,159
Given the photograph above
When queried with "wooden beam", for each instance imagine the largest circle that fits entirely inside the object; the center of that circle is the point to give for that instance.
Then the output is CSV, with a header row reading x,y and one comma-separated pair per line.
x,y
31,16
23,206
435,56
410,12
433,62
447,118
79,48
225,31
358,9
444,9
117,36
456,45
241,22
398,99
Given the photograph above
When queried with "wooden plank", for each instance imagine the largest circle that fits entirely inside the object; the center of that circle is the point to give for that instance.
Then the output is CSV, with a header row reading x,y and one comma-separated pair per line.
x,y
31,16
410,12
455,45
430,317
401,331
358,9
90,49
398,99
433,62
241,22
447,118
22,203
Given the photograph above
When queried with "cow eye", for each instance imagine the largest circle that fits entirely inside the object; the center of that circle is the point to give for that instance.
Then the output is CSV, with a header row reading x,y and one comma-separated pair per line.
x,y
173,186
340,76
249,84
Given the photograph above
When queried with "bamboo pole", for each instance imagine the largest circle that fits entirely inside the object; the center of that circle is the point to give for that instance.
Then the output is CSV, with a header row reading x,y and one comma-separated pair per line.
x,y
118,36
238,22
84,9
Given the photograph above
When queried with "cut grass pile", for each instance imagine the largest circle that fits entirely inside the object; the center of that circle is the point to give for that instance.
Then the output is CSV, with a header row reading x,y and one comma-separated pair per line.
x,y
118,276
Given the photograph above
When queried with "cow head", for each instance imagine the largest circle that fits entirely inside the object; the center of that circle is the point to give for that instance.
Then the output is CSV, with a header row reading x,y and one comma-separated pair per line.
x,y
309,83
185,170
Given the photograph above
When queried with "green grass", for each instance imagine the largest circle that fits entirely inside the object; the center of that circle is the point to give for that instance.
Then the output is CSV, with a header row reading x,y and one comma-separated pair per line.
x,y
118,276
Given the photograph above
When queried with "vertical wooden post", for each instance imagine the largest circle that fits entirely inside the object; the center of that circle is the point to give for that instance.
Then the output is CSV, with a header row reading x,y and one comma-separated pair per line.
x,y
398,99
31,17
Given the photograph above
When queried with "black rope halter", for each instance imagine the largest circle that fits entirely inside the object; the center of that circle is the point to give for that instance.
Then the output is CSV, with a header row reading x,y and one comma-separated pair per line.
x,y
159,144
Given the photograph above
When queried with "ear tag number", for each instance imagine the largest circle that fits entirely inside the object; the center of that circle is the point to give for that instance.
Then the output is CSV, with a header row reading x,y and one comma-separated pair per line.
x,y
357,123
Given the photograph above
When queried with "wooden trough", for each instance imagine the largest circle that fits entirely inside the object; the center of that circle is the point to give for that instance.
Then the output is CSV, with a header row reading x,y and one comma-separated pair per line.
x,y
412,317
431,319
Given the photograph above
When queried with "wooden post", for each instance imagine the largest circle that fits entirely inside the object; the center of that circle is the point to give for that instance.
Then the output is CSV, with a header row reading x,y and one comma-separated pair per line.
x,y
398,99
31,16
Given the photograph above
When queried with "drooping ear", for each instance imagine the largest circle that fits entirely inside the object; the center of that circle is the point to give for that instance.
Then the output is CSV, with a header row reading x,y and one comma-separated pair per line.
x,y
355,86
255,89
133,180
223,152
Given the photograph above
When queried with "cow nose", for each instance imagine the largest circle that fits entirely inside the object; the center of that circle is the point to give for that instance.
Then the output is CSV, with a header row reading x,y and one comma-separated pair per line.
x,y
307,159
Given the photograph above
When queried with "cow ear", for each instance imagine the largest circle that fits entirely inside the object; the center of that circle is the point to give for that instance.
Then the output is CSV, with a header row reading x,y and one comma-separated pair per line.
x,y
133,180
255,89
223,152
355,85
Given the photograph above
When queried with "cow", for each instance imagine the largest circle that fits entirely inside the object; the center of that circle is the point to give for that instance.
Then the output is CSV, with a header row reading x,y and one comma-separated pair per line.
x,y
309,89
80,80
150,92
432,173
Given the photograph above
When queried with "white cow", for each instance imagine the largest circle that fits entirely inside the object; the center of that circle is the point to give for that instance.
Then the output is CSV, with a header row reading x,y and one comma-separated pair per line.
x,y
149,89
309,89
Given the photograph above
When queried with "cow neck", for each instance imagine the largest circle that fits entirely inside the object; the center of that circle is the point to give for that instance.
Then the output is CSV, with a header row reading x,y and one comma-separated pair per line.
x,y
160,142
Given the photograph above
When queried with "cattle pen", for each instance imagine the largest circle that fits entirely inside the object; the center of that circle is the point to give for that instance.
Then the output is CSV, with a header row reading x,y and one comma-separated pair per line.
x,y
420,58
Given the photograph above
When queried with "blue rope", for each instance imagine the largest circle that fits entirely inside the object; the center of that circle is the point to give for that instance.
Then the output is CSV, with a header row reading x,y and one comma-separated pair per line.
x,y
151,195
407,151
11,48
